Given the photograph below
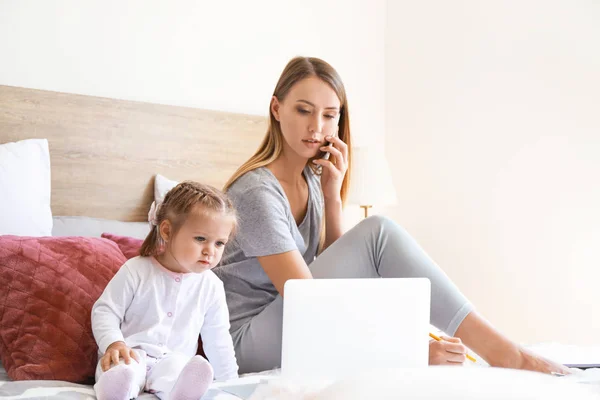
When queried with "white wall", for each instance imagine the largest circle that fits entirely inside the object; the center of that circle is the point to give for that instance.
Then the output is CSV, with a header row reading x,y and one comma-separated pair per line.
x,y
208,54
493,133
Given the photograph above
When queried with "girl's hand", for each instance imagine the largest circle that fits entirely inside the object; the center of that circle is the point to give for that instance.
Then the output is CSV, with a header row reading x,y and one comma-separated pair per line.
x,y
116,351
335,168
449,351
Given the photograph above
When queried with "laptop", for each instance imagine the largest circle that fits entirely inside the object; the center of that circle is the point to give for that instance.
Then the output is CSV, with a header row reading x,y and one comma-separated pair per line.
x,y
336,328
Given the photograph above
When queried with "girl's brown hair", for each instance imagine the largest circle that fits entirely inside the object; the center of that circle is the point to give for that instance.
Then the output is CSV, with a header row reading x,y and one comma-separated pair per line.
x,y
296,70
178,203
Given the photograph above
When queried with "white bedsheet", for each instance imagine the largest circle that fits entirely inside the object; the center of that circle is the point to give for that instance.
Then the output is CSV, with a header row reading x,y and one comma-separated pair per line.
x,y
269,387
55,390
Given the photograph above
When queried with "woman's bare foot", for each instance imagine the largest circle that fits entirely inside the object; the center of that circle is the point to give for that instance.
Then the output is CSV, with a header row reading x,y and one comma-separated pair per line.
x,y
533,362
499,351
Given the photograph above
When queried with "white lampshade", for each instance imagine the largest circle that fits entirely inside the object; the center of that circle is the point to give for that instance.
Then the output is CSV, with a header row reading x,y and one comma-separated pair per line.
x,y
371,180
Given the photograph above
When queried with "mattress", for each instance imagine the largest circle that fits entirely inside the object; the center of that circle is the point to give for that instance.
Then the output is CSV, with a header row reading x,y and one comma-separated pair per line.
x,y
234,389
266,385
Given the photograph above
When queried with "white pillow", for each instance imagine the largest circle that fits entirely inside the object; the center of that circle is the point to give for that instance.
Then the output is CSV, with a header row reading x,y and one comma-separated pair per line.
x,y
25,188
94,227
161,186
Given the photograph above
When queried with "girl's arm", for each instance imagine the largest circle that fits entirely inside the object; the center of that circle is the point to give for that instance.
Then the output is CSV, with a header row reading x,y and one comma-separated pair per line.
x,y
109,310
216,339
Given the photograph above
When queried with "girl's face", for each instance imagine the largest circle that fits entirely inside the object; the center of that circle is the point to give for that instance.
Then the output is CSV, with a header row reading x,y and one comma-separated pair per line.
x,y
198,245
309,113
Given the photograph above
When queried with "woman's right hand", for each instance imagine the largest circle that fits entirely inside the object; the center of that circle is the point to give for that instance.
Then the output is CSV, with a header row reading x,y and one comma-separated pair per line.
x,y
449,351
116,351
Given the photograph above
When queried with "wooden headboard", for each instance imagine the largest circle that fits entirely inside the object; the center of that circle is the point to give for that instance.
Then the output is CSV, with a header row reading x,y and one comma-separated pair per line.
x,y
105,152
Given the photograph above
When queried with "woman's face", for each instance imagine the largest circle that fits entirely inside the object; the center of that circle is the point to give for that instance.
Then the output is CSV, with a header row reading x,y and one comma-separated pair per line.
x,y
309,113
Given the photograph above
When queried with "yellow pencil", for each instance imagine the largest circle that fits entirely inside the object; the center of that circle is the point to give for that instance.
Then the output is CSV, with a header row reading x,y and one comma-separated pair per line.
x,y
439,338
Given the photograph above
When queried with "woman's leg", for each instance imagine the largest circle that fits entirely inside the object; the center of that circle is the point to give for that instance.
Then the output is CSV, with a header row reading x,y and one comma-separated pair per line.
x,y
258,343
498,350
394,253
378,247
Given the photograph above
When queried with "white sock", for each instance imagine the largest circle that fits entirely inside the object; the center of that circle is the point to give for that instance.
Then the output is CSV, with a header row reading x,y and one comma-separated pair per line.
x,y
193,381
115,383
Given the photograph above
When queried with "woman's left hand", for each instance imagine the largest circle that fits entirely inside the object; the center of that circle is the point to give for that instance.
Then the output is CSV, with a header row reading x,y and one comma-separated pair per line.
x,y
334,169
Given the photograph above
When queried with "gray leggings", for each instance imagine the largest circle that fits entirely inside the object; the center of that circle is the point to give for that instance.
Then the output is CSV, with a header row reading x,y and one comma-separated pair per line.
x,y
377,247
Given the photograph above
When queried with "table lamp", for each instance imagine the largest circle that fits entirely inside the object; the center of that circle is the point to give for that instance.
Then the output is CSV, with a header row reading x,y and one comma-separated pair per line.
x,y
371,181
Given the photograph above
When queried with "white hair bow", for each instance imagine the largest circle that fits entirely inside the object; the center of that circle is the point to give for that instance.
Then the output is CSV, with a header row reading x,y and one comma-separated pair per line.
x,y
152,213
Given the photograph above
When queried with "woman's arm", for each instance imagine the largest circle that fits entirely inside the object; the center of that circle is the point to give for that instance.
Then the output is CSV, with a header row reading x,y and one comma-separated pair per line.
x,y
281,267
333,221
331,184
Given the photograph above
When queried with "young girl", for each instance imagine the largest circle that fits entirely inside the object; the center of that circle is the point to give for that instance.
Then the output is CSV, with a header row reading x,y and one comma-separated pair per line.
x,y
148,319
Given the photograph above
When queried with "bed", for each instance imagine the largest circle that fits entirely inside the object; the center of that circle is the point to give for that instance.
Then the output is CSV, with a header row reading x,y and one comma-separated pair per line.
x,y
106,156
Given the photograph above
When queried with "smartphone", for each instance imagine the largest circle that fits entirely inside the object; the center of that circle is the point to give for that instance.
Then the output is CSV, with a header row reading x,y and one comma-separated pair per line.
x,y
326,154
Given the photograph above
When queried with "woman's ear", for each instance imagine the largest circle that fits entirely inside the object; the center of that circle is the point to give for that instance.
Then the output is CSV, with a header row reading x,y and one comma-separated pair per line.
x,y
164,230
275,107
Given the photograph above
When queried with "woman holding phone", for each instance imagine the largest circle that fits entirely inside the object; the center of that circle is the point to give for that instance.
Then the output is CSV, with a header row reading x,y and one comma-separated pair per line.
x,y
289,198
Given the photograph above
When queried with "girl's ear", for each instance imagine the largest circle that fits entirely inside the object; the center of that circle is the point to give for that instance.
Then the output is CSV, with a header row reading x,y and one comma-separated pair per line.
x,y
164,230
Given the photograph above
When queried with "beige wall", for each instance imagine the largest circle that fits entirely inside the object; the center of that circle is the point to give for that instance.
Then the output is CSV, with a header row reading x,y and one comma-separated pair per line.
x,y
493,135
207,54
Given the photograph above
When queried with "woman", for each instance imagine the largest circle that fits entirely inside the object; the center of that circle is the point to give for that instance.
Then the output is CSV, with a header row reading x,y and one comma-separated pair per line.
x,y
289,200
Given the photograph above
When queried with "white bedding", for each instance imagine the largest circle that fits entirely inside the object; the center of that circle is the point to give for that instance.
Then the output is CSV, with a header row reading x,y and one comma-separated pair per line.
x,y
455,383
441,383
59,390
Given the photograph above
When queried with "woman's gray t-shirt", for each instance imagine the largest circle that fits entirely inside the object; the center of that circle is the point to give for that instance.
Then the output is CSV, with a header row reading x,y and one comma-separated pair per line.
x,y
266,227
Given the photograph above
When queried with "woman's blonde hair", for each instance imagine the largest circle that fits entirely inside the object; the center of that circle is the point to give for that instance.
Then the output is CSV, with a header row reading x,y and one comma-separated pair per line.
x,y
178,203
297,69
